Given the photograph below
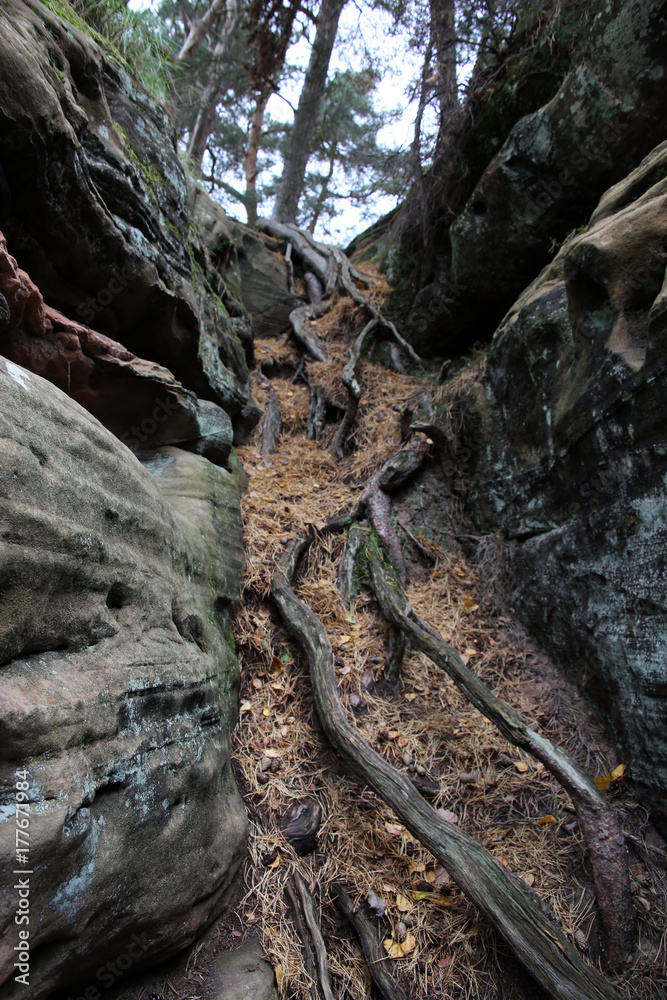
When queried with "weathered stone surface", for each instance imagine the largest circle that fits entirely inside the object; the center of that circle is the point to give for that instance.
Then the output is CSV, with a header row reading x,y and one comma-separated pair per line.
x,y
571,463
252,268
95,206
243,974
139,401
118,689
554,164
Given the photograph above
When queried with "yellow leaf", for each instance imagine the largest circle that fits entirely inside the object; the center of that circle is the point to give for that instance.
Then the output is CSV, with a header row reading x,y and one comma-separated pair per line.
x,y
398,949
277,665
403,903
470,603
266,711
432,897
410,696
543,820
521,766
246,706
278,970
276,863
605,781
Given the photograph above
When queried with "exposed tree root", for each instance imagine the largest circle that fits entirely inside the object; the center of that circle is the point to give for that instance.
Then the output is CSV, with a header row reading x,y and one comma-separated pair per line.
x,y
308,957
310,914
376,958
506,902
606,846
272,424
308,338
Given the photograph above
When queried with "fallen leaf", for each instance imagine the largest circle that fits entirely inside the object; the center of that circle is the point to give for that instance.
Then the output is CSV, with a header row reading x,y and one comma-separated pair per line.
x,y
521,766
410,696
403,741
344,639
416,867
393,734
470,651
529,879
398,949
447,815
276,863
266,711
403,904
273,754
246,706
470,604
432,897
277,665
394,829
430,876
605,781
257,685
376,904
543,820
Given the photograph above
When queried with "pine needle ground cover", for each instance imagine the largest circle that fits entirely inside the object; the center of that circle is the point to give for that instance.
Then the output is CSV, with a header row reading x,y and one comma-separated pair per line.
x,y
436,944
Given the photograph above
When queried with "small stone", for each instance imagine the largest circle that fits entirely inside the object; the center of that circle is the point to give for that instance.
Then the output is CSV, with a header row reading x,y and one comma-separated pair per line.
x,y
262,778
265,764
412,768
407,759
275,765
421,770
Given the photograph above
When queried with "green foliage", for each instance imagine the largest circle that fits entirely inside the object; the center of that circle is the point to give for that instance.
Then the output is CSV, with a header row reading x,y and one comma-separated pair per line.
x,y
136,36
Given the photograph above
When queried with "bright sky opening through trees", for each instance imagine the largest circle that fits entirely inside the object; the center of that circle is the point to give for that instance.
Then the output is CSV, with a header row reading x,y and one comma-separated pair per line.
x,y
319,112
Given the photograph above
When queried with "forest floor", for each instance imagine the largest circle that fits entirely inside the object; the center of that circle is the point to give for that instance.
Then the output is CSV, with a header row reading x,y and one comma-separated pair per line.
x,y
424,726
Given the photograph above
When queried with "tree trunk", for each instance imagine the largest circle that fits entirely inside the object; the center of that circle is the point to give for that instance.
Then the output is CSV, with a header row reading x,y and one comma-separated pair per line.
x,y
211,95
443,37
301,135
250,165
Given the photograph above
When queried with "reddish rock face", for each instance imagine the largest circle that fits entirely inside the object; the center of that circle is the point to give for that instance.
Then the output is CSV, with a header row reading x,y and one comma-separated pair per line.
x,y
138,400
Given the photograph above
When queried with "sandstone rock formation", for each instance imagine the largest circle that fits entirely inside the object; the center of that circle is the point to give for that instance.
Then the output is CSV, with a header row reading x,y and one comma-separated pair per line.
x,y
139,401
95,206
118,689
604,116
571,463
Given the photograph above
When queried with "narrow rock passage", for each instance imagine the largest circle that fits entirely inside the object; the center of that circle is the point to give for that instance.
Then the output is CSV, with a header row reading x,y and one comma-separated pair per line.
x,y
507,801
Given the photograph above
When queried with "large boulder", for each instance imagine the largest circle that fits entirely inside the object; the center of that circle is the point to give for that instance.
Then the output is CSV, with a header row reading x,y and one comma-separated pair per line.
x,y
602,117
569,435
95,205
252,265
118,689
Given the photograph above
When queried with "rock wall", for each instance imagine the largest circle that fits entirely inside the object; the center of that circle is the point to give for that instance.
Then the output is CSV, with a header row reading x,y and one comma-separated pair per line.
x,y
118,689
602,117
95,207
569,434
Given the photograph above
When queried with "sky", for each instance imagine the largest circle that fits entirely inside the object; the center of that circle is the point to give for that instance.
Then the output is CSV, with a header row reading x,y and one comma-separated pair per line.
x,y
360,28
